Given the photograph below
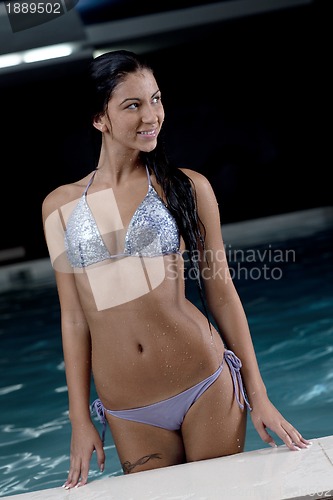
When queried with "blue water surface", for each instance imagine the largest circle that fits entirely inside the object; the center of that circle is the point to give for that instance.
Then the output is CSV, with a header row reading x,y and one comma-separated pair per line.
x,y
289,305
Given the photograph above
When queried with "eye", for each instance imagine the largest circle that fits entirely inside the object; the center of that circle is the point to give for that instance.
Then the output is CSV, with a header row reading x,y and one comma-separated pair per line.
x,y
134,105
157,99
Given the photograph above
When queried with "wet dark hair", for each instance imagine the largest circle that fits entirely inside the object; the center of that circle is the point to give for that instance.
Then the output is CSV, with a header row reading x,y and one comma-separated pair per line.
x,y
106,72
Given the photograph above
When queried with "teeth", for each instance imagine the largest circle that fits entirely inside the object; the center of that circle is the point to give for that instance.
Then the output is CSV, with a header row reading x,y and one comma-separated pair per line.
x,y
151,132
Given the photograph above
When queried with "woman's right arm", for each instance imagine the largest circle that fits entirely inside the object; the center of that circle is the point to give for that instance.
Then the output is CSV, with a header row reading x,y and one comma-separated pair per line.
x,y
77,356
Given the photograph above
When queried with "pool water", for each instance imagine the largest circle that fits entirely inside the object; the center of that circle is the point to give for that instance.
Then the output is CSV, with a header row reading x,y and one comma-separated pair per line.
x,y
286,289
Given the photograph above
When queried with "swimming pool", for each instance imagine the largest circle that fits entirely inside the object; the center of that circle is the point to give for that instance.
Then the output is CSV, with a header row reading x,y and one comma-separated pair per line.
x,y
286,288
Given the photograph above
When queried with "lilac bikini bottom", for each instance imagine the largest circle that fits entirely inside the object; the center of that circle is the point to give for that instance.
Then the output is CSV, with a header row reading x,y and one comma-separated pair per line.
x,y
170,413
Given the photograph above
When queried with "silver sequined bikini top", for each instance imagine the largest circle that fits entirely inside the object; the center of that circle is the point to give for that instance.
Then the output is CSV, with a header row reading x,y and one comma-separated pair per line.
x,y
151,232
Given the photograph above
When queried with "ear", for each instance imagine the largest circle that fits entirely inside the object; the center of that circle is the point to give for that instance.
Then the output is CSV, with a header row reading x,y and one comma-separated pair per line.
x,y
98,122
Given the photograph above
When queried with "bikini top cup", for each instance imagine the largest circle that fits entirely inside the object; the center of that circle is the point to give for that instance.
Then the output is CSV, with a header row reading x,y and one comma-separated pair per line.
x,y
152,231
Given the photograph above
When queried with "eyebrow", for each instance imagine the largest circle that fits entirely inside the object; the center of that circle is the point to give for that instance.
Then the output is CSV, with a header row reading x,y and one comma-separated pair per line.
x,y
137,98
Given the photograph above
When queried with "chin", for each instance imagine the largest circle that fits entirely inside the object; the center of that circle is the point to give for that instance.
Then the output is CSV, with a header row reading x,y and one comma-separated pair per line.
x,y
149,147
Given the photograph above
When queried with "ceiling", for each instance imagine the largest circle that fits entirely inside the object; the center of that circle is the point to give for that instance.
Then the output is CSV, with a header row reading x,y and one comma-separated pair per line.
x,y
93,25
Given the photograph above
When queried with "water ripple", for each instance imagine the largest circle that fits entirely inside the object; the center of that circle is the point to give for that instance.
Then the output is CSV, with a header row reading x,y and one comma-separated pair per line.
x,y
9,389
12,434
315,391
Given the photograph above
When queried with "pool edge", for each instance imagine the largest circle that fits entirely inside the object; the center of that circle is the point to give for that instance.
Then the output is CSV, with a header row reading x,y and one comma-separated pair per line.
x,y
277,474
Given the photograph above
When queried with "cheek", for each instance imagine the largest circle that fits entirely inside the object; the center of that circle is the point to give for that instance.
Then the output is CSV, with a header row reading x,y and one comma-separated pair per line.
x,y
121,128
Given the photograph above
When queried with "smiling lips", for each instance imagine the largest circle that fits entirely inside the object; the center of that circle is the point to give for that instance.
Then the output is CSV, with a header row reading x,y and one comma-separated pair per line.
x,y
148,133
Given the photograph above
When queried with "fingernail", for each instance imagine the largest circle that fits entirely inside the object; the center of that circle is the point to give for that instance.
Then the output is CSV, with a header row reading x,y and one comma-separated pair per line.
x,y
101,468
78,485
273,445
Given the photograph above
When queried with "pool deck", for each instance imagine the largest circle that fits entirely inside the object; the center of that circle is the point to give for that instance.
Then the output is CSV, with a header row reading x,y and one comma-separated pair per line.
x,y
265,474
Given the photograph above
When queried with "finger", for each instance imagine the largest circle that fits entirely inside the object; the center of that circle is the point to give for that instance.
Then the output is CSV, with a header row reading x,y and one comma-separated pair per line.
x,y
297,439
84,473
306,441
73,477
68,481
291,439
266,437
100,458
300,440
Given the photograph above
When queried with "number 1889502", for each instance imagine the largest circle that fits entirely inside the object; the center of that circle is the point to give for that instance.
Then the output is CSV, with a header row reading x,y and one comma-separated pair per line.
x,y
29,8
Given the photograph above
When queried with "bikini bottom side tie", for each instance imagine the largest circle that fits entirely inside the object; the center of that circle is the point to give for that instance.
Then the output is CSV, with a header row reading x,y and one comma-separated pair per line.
x,y
98,408
235,365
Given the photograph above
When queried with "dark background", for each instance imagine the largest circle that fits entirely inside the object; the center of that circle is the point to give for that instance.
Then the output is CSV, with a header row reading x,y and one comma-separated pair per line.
x,y
246,101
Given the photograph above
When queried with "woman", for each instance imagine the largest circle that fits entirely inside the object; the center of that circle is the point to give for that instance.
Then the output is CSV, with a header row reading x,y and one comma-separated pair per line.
x,y
169,388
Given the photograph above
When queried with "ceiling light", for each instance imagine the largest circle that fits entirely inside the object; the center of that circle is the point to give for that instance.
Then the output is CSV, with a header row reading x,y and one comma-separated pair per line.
x,y
10,60
40,54
50,52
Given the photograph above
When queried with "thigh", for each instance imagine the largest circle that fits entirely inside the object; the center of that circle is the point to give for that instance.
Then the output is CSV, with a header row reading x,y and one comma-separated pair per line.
x,y
144,447
215,425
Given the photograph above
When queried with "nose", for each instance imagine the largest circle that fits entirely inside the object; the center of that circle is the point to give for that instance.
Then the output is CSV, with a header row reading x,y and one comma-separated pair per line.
x,y
149,114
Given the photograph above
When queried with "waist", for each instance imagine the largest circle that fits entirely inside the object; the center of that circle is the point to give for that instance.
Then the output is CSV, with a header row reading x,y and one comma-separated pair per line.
x,y
149,370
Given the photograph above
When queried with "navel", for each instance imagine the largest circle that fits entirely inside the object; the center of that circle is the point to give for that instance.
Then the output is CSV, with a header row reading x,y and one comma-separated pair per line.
x,y
140,348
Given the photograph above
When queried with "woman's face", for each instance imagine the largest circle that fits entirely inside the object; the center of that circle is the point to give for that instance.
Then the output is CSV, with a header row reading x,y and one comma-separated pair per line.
x,y
135,112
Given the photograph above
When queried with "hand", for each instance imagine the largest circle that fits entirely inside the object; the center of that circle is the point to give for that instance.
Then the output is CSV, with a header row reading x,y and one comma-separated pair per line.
x,y
264,415
85,439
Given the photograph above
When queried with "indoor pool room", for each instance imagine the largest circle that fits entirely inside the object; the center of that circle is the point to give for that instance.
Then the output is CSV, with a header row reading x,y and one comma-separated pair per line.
x,y
132,130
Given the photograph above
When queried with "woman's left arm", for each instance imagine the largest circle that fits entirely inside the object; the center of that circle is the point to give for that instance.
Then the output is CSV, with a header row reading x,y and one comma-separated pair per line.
x,y
227,310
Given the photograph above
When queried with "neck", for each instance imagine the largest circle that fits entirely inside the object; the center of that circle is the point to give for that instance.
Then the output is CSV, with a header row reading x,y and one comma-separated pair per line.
x,y
116,173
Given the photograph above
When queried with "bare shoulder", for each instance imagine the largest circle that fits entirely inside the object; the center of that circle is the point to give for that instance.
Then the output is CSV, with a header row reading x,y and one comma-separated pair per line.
x,y
62,195
202,185
54,200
